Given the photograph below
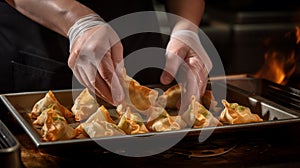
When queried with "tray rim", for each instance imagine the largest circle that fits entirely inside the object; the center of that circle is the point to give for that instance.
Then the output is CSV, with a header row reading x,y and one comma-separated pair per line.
x,y
42,144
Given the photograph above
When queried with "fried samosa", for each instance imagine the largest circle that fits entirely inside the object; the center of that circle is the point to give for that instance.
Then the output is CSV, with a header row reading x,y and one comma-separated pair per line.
x,y
132,123
234,113
139,98
209,102
56,128
169,99
84,105
40,120
160,120
197,116
99,124
46,102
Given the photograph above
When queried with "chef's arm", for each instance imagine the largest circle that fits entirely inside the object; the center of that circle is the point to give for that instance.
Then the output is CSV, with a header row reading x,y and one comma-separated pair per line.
x,y
192,10
57,15
96,53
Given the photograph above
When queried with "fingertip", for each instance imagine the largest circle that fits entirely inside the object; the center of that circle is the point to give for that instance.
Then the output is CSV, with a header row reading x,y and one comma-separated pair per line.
x,y
119,99
117,92
166,78
120,69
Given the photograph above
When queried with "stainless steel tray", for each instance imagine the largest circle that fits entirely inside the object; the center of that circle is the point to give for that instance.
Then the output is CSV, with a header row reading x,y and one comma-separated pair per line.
x,y
273,114
10,155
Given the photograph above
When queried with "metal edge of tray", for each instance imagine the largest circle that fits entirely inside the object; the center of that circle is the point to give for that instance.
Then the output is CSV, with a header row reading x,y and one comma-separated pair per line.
x,y
24,124
10,152
41,144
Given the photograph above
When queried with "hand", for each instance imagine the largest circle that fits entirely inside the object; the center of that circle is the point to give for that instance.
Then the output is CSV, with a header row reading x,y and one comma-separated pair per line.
x,y
185,50
96,59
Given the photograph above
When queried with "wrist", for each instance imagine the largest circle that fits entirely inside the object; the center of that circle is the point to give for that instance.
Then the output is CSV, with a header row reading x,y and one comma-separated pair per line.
x,y
185,25
83,24
192,40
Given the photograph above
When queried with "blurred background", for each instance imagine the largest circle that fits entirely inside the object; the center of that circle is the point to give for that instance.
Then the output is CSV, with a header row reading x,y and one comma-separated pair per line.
x,y
255,37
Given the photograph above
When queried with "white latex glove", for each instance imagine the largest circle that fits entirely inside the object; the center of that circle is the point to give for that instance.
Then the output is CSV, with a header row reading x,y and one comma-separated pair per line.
x,y
96,57
185,51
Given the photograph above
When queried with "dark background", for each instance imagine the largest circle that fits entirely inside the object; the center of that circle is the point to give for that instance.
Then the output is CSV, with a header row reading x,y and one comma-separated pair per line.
x,y
242,31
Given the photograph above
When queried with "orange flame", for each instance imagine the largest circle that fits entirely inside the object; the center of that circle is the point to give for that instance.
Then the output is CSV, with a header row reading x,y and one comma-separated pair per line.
x,y
279,64
297,35
277,69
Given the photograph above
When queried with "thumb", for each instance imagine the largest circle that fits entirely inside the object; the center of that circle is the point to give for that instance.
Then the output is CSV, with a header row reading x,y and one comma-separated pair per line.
x,y
72,59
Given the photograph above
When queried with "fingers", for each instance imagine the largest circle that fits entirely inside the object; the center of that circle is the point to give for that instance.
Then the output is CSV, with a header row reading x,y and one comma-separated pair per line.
x,y
95,64
108,75
117,58
110,67
197,80
194,77
77,70
102,89
193,72
172,64
190,87
200,72
175,55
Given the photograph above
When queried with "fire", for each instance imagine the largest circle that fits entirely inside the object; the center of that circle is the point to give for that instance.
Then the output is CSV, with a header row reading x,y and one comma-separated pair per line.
x,y
297,35
279,59
277,68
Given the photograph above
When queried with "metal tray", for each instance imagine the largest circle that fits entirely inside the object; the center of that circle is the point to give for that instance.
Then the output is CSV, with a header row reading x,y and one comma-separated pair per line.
x,y
10,155
286,96
273,114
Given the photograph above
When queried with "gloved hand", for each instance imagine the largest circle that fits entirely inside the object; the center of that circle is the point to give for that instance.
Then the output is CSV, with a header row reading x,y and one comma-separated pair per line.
x,y
96,57
186,56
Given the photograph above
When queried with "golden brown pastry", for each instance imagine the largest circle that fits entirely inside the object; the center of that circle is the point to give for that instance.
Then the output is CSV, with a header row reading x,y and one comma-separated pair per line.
x,y
100,129
84,105
56,128
197,116
46,102
234,113
40,120
209,102
102,114
138,97
170,97
121,109
160,120
132,123
99,124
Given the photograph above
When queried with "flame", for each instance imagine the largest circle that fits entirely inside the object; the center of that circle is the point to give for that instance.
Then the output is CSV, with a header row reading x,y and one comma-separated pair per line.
x,y
279,62
277,69
297,35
